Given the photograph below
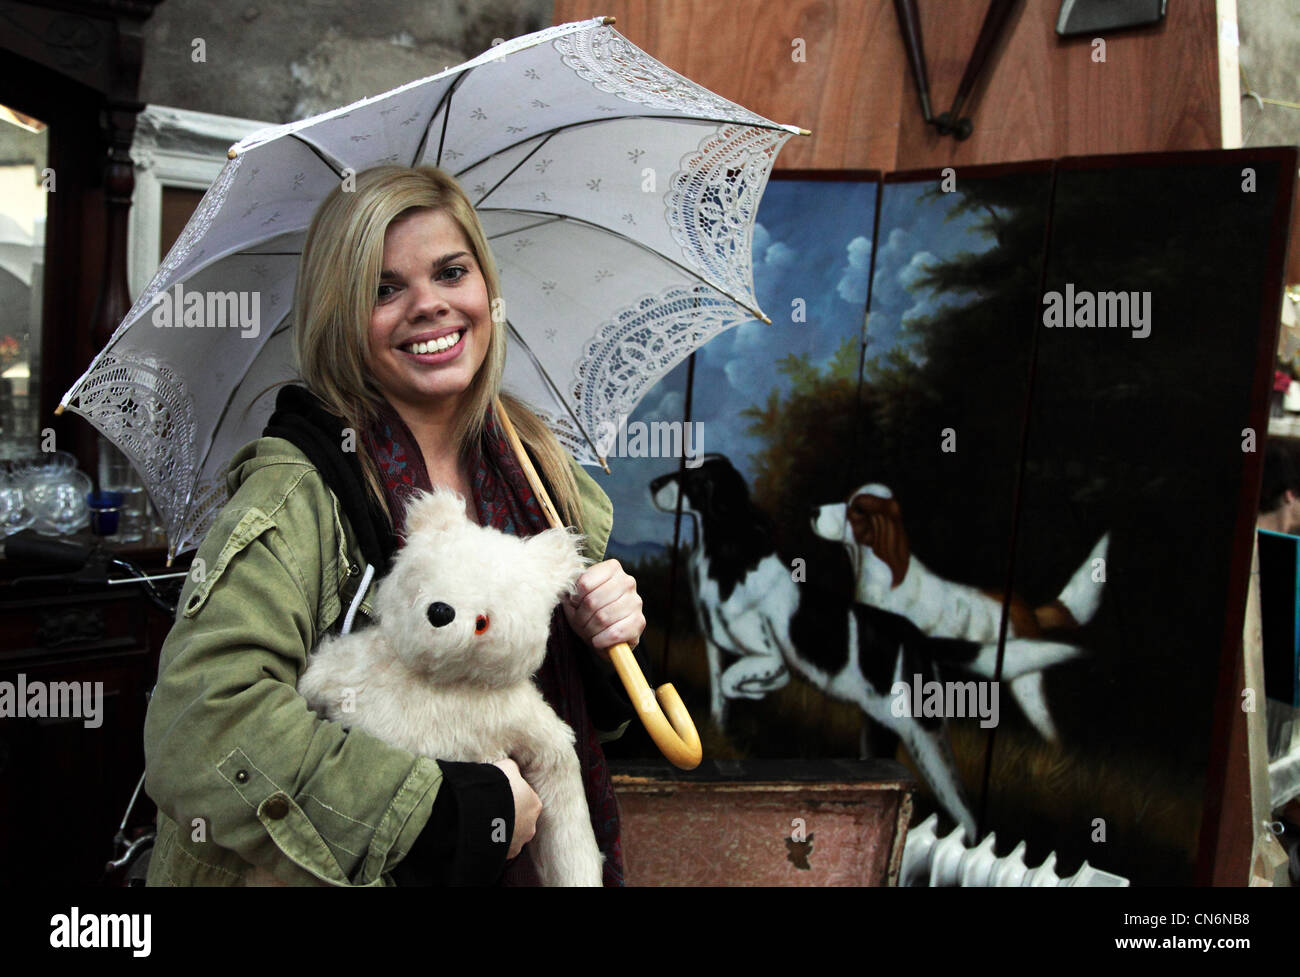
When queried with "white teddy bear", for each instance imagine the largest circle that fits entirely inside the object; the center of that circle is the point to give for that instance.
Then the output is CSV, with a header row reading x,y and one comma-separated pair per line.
x,y
463,619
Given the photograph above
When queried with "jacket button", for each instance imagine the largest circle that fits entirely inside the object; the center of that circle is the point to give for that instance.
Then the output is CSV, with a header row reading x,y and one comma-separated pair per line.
x,y
242,776
353,569
276,808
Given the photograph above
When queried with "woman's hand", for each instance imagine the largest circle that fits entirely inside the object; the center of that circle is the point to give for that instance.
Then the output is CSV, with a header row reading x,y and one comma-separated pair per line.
x,y
605,608
527,806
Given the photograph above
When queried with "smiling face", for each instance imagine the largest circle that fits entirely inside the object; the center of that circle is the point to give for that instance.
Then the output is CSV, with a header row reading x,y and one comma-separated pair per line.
x,y
431,322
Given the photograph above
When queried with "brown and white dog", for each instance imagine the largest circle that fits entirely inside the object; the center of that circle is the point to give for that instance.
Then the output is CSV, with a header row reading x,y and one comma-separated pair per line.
x,y
891,577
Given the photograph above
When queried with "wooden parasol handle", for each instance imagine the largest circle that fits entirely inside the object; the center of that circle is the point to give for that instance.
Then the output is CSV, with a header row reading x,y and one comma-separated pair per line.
x,y
674,733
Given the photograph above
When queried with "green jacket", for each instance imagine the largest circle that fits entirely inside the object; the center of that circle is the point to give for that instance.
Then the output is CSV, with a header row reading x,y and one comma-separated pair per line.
x,y
243,773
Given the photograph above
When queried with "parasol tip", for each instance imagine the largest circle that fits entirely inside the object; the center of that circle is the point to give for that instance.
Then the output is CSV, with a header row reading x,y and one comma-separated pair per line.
x,y
765,319
230,153
605,466
805,132
608,21
58,410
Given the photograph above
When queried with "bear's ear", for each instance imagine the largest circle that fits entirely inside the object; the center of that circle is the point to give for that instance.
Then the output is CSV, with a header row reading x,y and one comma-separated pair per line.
x,y
556,557
439,510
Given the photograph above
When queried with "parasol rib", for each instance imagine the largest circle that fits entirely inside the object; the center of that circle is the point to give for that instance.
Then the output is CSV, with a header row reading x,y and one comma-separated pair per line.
x,y
336,166
225,409
512,169
444,106
774,127
556,390
757,313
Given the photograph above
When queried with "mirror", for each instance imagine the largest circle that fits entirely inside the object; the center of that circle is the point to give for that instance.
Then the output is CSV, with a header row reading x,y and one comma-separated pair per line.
x,y
24,182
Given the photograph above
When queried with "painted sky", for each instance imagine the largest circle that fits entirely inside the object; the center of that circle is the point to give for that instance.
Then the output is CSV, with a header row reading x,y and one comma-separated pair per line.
x,y
812,241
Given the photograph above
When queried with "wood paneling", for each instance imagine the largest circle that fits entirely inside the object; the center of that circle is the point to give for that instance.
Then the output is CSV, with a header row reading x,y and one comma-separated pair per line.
x,y
1040,97
846,91
1043,96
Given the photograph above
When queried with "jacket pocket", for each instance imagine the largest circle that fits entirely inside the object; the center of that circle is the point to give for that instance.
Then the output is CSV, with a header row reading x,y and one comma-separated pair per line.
x,y
251,525
286,824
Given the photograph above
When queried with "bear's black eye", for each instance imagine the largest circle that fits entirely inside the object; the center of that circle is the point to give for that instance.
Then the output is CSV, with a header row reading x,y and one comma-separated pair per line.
x,y
441,614
480,624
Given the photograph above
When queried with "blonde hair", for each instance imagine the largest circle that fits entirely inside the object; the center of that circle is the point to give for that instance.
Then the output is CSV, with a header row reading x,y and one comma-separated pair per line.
x,y
338,281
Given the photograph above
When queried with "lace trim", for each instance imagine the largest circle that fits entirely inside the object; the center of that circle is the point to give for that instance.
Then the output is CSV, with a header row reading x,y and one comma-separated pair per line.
x,y
210,497
713,199
139,403
195,228
638,347
526,41
567,434
613,64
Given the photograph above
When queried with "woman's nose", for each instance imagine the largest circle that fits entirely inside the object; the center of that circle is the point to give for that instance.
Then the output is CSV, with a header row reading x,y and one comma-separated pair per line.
x,y
428,300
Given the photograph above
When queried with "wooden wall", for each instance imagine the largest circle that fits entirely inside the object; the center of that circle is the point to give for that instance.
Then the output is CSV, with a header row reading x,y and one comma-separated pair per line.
x,y
1041,96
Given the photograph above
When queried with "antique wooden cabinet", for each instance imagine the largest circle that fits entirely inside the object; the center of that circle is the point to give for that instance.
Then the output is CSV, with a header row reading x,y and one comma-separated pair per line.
x,y
66,781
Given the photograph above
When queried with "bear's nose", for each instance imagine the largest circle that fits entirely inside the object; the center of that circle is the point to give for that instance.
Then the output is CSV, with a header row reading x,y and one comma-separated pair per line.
x,y
441,614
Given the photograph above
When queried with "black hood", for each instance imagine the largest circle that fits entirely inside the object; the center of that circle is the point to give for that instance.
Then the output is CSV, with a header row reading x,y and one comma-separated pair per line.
x,y
302,419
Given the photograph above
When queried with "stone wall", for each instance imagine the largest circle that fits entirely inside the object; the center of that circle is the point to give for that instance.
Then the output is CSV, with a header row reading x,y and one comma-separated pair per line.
x,y
280,62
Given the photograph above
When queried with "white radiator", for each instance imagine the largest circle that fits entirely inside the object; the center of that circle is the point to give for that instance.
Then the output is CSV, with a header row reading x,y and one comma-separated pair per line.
x,y
929,860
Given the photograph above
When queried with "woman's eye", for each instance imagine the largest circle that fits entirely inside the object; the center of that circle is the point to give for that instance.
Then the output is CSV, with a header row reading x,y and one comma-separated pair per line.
x,y
384,291
461,272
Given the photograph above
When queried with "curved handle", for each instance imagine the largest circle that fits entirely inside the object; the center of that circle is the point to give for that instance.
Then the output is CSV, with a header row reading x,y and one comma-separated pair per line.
x,y
675,733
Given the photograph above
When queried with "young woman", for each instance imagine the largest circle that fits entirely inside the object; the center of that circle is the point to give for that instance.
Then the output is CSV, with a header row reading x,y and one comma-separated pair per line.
x,y
401,347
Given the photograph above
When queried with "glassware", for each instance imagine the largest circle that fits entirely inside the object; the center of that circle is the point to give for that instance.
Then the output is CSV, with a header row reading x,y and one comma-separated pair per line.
x,y
117,475
58,500
105,507
15,514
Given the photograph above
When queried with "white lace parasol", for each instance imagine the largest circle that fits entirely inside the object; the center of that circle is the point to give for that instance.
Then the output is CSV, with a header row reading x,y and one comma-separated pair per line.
x,y
619,198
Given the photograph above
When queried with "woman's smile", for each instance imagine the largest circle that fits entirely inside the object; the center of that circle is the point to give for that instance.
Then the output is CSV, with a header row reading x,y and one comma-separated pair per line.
x,y
428,349
430,325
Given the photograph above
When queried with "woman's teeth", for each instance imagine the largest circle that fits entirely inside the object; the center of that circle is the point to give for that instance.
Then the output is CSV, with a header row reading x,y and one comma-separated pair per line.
x,y
437,345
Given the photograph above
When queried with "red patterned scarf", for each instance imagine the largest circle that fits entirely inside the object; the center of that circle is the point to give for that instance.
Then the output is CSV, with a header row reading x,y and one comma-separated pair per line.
x,y
505,501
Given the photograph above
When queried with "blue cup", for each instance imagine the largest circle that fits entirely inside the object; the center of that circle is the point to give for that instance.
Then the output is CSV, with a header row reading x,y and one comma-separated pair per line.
x,y
104,509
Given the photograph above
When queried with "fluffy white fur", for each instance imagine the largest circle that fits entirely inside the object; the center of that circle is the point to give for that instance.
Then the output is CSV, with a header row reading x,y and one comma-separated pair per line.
x,y
424,680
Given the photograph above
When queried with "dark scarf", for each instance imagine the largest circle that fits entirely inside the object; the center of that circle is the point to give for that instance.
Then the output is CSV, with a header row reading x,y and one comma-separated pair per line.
x,y
505,501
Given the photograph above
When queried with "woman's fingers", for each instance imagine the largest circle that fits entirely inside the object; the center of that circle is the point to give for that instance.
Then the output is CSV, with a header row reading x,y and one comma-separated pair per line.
x,y
527,806
605,607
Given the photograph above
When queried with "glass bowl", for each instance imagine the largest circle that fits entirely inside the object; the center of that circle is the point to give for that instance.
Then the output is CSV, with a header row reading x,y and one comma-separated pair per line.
x,y
57,498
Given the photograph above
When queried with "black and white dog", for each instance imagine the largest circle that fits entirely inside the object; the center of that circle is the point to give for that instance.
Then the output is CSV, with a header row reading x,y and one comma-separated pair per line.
x,y
891,577
751,608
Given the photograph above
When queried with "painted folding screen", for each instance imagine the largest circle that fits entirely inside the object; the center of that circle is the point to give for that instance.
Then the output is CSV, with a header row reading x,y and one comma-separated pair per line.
x,y
1150,431
1095,472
